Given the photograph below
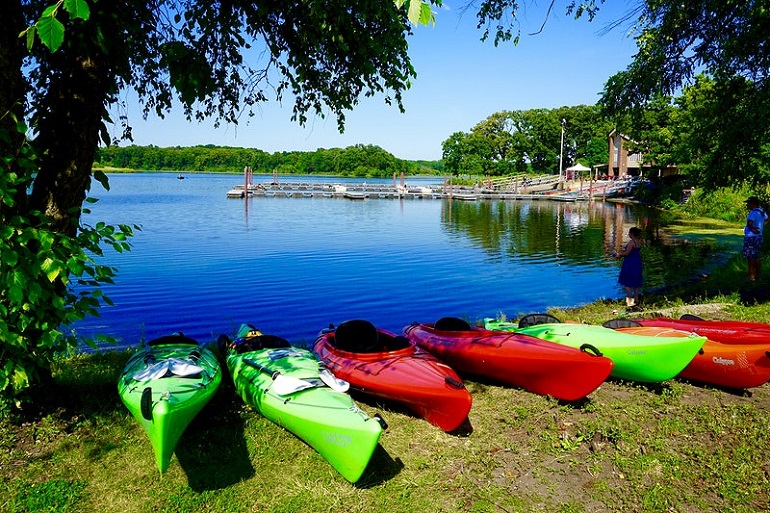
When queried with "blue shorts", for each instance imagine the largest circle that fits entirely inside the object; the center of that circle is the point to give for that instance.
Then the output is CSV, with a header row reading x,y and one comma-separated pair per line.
x,y
751,246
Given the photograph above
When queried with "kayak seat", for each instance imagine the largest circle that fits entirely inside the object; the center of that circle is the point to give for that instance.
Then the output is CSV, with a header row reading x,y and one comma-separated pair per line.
x,y
176,338
399,342
260,342
451,324
357,336
535,319
621,323
394,343
690,317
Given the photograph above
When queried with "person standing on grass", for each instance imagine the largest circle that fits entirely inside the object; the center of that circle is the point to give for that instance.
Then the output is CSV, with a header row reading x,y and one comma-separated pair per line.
x,y
752,236
631,269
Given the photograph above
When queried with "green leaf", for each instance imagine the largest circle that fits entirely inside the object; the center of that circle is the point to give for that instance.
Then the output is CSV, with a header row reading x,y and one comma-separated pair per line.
x,y
77,9
51,269
51,32
426,15
10,257
102,179
31,32
415,11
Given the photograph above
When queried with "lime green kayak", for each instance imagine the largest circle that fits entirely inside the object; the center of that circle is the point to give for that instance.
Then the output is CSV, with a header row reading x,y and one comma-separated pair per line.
x,y
288,385
165,386
637,357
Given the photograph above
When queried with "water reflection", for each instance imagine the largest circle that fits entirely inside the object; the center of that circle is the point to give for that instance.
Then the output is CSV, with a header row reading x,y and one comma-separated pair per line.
x,y
578,234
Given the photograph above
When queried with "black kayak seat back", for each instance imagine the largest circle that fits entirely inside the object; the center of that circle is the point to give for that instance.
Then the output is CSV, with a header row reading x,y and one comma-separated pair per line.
x,y
690,317
356,336
261,342
535,319
621,323
399,342
451,324
176,338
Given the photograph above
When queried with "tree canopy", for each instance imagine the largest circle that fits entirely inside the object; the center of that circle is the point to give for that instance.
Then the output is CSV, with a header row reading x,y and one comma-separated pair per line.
x,y
519,141
714,54
696,91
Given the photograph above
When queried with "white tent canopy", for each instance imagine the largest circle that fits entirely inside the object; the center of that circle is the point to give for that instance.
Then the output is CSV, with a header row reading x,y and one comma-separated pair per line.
x,y
578,167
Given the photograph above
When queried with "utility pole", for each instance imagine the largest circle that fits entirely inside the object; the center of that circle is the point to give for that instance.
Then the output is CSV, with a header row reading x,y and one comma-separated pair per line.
x,y
561,150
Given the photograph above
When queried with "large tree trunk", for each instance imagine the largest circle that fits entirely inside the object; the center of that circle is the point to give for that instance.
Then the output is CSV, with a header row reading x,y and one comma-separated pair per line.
x,y
68,129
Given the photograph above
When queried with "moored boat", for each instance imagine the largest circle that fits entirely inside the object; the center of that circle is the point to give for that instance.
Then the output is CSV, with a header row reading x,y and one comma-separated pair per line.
x,y
729,365
166,386
288,386
651,357
381,364
537,366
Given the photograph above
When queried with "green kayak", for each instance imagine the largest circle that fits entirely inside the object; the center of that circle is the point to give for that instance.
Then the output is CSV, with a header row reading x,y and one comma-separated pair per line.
x,y
165,386
289,386
649,357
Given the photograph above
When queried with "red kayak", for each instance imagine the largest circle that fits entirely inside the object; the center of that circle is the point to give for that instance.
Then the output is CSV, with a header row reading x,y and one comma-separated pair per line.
x,y
726,332
728,362
535,365
379,363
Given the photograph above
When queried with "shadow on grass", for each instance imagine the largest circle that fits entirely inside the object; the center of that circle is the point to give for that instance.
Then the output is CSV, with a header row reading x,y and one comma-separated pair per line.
x,y
212,450
737,392
83,385
660,388
382,468
387,406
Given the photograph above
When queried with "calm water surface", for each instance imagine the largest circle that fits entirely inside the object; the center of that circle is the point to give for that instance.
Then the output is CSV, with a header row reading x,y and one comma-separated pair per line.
x,y
203,264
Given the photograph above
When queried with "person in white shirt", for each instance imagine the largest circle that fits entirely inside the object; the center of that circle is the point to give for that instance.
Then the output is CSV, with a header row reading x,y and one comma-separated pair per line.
x,y
752,236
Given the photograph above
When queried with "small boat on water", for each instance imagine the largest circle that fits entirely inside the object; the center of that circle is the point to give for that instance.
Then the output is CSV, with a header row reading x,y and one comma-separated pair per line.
x,y
381,364
166,386
653,356
290,387
726,364
514,359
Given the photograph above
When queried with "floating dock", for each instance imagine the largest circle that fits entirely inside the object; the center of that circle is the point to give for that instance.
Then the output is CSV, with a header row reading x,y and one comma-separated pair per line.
x,y
545,188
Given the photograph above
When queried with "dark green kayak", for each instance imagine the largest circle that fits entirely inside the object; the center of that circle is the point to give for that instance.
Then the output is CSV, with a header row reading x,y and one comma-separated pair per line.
x,y
165,386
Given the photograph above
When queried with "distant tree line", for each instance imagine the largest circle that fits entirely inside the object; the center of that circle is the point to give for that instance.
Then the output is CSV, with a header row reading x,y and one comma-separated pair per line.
x,y
359,160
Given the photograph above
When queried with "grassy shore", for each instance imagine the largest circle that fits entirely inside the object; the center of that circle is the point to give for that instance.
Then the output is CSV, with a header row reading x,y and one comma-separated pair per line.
x,y
674,446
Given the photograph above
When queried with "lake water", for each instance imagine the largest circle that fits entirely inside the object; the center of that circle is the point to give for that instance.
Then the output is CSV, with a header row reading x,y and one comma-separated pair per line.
x,y
203,264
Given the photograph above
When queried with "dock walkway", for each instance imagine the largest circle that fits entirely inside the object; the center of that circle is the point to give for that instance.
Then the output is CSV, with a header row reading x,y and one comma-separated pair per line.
x,y
525,189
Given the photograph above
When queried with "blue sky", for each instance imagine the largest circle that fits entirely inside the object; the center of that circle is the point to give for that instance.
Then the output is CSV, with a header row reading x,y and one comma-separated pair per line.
x,y
460,82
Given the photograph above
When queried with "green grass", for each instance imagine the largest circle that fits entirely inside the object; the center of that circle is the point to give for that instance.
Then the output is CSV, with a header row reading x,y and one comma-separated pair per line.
x,y
627,448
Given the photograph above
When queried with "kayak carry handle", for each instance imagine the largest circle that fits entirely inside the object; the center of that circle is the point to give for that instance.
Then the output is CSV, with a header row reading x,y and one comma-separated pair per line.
x,y
452,382
592,350
380,421
145,403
